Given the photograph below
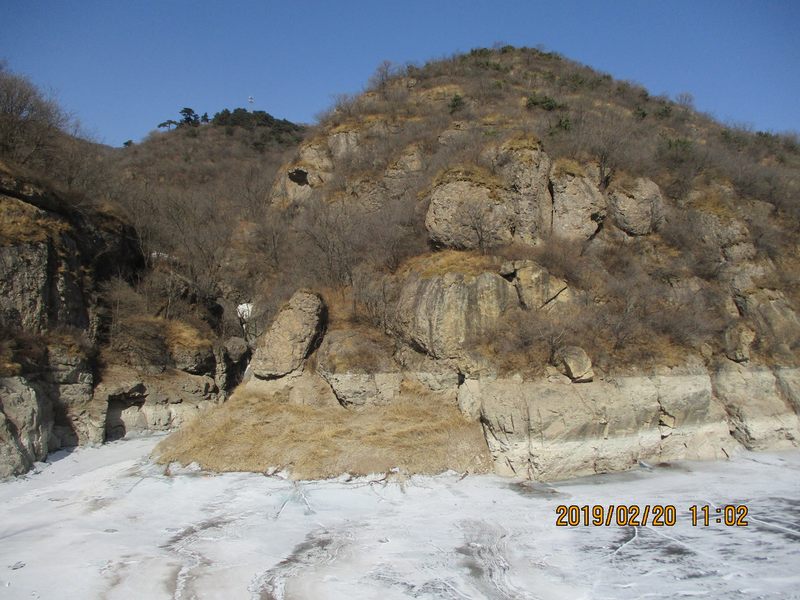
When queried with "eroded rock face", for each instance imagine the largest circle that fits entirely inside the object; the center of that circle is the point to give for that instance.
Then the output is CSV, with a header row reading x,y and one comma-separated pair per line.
x,y
548,430
26,422
193,359
772,315
363,372
535,286
440,314
285,345
738,340
77,418
761,412
524,168
136,403
296,181
52,256
231,361
637,209
578,206
467,214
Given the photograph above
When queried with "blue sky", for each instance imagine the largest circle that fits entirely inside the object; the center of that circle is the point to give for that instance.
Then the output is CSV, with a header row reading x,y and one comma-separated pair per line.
x,y
123,66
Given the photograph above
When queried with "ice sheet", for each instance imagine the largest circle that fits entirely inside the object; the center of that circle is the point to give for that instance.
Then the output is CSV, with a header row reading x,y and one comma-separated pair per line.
x,y
106,523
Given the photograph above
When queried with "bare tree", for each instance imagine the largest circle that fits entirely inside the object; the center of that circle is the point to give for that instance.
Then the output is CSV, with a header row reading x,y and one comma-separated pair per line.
x,y
27,118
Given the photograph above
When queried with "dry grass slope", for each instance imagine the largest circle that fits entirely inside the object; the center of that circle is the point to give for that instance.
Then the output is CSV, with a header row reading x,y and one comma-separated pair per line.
x,y
253,433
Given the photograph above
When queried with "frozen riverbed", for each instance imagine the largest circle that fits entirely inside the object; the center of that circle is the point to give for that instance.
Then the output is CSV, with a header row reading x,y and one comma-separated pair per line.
x,y
105,523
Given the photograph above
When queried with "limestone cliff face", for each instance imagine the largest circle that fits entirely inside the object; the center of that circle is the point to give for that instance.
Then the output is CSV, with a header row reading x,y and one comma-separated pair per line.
x,y
52,257
553,429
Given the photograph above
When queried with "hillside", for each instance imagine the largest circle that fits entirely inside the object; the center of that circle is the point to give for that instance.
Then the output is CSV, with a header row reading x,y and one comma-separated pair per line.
x,y
554,268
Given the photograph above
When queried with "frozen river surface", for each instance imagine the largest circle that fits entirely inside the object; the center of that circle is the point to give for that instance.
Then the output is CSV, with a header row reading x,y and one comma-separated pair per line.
x,y
105,523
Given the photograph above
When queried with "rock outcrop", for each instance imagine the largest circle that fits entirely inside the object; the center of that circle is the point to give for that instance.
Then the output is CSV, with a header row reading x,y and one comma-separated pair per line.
x,y
297,181
130,402
738,339
549,430
524,168
284,347
535,286
575,364
362,371
26,423
359,368
638,208
468,209
578,206
52,256
762,412
438,314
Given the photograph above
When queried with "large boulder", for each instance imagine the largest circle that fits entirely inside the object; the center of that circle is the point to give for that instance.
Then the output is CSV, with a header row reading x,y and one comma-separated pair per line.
x,y
285,345
443,314
578,206
575,363
637,208
468,209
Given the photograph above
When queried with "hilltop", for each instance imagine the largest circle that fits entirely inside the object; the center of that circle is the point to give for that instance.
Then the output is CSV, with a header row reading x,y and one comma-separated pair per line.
x,y
462,247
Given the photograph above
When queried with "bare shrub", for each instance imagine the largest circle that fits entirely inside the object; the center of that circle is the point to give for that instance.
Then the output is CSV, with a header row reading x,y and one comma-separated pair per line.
x,y
28,118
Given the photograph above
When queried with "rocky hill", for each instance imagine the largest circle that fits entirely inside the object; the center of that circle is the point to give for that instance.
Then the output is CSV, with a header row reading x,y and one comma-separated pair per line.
x,y
504,258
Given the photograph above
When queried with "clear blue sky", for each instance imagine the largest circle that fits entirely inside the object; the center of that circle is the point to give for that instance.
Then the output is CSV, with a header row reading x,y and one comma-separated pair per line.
x,y
123,66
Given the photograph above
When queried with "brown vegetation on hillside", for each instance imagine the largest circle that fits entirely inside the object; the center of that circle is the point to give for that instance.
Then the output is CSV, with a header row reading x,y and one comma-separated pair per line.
x,y
202,198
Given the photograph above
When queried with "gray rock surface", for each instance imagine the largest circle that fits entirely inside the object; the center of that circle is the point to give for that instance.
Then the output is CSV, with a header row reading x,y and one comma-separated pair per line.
x,y
468,214
578,206
440,314
26,422
231,360
551,430
762,416
535,286
285,345
738,339
637,209
524,168
137,403
772,315
575,364
358,367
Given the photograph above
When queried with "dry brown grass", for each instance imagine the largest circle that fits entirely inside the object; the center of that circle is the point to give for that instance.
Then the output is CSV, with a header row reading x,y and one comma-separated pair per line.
x,y
567,166
472,173
179,333
434,264
253,433
22,223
